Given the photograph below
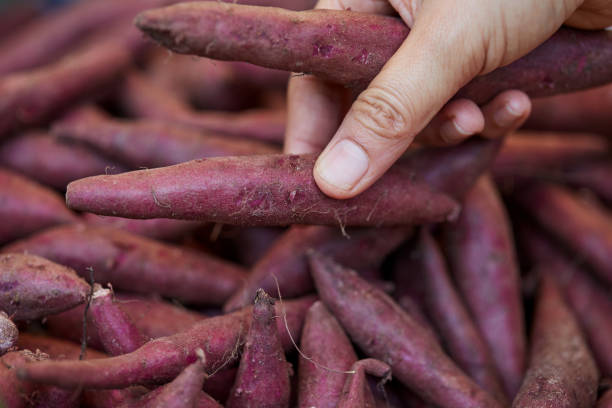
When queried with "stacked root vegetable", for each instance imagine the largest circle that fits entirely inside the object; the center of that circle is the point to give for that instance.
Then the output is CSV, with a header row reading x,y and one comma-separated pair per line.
x,y
195,265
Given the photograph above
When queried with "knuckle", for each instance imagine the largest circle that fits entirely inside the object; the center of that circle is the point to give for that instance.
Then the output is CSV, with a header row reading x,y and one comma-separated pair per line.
x,y
383,112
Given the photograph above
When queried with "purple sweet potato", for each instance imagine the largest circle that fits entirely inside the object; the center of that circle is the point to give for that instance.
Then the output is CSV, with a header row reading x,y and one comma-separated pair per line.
x,y
583,226
415,356
45,159
152,143
15,15
162,359
321,378
286,262
143,98
594,175
32,97
153,318
561,371
424,276
253,200
27,207
589,299
529,153
263,375
482,259
50,36
184,391
246,191
135,263
8,333
356,392
350,48
32,287
586,111
155,228
115,328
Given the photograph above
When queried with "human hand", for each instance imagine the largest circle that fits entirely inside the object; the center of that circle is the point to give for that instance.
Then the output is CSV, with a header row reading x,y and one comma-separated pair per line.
x,y
451,42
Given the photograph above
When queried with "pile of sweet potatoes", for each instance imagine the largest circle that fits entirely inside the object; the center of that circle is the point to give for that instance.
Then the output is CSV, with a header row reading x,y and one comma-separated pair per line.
x,y
193,264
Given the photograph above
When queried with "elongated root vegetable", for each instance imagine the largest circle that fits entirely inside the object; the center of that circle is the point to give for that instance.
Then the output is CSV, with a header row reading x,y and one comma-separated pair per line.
x,y
55,348
151,143
561,370
8,333
247,191
43,158
33,97
257,190
586,227
416,358
321,377
263,374
13,392
145,99
424,277
28,207
350,48
286,264
162,359
595,176
32,287
154,228
136,263
533,154
356,392
119,335
483,261
589,299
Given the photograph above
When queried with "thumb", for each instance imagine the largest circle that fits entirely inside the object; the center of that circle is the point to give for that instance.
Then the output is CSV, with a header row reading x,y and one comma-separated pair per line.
x,y
438,57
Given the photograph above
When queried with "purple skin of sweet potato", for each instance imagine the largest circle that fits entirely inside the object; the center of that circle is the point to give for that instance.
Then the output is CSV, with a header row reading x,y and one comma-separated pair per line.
x,y
49,36
32,287
482,259
529,153
153,143
415,356
27,207
162,359
45,159
356,392
424,276
263,375
143,98
324,342
246,191
594,175
287,262
8,333
350,48
15,15
590,300
586,111
137,264
586,228
561,371
153,317
155,228
115,328
33,97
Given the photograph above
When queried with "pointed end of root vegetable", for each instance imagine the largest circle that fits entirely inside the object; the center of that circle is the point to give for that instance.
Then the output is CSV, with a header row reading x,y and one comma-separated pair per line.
x,y
164,26
8,333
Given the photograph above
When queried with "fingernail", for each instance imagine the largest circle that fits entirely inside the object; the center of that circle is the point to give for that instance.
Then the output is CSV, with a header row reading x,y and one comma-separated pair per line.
x,y
508,114
344,165
451,131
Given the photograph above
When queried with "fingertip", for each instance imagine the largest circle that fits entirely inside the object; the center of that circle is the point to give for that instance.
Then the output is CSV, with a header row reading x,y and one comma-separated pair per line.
x,y
506,113
463,119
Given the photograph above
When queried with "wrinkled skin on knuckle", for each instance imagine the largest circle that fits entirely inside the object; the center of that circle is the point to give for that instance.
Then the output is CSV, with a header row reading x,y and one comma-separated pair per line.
x,y
383,113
